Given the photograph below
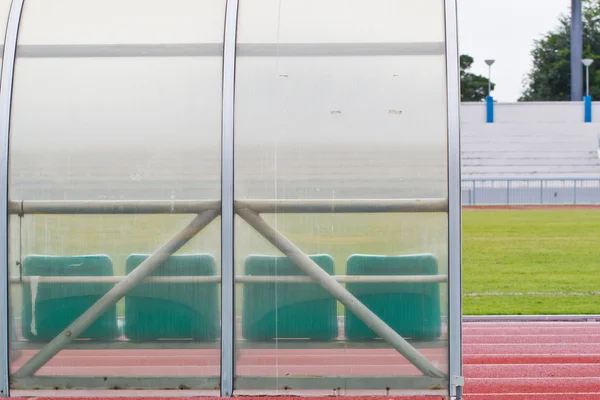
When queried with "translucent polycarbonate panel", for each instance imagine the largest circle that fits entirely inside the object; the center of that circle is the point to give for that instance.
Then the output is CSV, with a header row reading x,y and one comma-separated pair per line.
x,y
340,120
117,106
4,10
129,22
126,98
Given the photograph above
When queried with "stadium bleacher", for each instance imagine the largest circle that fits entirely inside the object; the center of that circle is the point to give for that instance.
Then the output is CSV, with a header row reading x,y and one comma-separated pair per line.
x,y
530,150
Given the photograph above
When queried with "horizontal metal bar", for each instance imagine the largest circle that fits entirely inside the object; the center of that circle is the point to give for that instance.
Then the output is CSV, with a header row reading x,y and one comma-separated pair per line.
x,y
526,179
239,344
340,49
343,383
280,383
343,206
531,318
120,50
116,279
347,279
24,207
112,206
238,279
116,382
243,50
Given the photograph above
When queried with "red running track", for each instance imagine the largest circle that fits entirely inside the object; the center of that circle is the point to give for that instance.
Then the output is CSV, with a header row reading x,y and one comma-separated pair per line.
x,y
532,361
503,360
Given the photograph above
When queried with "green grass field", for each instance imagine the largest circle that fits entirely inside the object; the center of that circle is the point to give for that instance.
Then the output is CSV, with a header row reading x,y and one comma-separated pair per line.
x,y
515,261
531,261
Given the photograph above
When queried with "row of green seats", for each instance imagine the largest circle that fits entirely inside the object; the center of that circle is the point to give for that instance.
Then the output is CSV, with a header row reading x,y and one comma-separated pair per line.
x,y
270,310
152,311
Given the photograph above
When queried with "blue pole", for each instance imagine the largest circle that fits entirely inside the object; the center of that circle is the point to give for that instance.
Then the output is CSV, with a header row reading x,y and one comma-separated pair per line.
x,y
489,100
587,101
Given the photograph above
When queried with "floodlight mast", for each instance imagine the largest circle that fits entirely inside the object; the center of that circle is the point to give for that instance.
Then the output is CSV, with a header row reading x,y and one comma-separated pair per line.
x,y
576,50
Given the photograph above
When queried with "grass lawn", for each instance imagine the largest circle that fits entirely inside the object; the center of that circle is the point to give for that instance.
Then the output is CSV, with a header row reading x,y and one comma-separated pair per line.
x,y
515,261
531,261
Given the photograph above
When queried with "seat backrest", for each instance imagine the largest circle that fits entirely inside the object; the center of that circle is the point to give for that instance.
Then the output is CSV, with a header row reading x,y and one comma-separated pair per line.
x,y
48,308
287,310
173,310
411,309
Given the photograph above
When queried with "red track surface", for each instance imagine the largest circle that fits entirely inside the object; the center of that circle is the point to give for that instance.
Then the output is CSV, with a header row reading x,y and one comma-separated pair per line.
x,y
508,361
537,361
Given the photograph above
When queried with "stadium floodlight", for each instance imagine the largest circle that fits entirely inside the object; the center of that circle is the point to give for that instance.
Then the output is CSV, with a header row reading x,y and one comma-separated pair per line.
x,y
490,63
587,62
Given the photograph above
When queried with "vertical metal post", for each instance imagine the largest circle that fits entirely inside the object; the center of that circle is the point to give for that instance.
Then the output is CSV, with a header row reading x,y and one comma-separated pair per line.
x,y
227,211
507,191
489,80
574,192
576,51
474,192
454,202
6,86
541,191
587,80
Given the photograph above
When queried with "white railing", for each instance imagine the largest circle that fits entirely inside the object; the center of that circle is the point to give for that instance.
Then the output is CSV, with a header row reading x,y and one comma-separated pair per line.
x,y
530,191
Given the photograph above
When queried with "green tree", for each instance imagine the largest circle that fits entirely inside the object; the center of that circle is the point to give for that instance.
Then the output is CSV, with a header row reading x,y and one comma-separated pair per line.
x,y
472,87
550,77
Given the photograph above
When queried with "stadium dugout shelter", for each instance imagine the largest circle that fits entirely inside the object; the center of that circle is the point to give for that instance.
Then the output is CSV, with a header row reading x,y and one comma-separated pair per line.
x,y
227,198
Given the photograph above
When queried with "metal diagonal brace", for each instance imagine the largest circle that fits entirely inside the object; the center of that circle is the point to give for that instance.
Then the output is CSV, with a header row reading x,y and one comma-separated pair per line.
x,y
340,293
115,294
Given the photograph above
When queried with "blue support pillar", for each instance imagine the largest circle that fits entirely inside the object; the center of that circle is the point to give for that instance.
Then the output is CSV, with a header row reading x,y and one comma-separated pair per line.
x,y
489,100
587,101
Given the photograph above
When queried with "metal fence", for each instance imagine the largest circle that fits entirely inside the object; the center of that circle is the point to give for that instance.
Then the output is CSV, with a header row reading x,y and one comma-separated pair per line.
x,y
527,191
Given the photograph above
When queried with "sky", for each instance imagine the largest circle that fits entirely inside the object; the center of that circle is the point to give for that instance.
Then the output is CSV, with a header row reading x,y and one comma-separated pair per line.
x,y
505,30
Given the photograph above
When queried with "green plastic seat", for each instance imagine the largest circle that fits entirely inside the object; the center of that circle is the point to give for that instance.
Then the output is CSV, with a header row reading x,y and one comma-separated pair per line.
x,y
411,309
287,310
173,310
48,308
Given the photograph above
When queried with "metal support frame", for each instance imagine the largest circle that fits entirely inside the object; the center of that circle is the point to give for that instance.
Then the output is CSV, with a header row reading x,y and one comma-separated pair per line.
x,y
283,385
243,50
454,202
340,293
241,344
248,211
6,86
238,279
227,202
341,206
113,207
64,207
115,294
